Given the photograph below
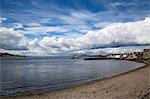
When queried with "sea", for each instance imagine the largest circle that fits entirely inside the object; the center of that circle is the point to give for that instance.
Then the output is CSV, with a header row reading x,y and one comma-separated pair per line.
x,y
32,74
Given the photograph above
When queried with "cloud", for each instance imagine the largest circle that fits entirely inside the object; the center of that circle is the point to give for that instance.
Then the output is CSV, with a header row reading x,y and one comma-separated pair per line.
x,y
2,19
118,34
45,29
34,24
17,25
104,51
115,37
11,39
79,26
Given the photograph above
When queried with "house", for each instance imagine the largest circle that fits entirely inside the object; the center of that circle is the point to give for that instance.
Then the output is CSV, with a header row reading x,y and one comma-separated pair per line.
x,y
123,56
146,53
130,56
114,56
138,54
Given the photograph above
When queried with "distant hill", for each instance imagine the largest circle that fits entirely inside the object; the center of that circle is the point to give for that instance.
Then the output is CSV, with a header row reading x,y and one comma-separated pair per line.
x,y
8,54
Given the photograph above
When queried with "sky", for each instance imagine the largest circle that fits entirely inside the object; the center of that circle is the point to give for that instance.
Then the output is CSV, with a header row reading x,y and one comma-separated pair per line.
x,y
69,27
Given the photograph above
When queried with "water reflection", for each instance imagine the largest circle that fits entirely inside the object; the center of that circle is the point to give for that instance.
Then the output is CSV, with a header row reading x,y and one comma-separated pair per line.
x,y
25,74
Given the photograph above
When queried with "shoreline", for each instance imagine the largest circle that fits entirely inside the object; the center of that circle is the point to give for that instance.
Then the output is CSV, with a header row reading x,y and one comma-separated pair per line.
x,y
53,94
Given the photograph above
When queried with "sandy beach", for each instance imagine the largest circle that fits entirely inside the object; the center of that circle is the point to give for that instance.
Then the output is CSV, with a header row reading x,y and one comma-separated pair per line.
x,y
132,85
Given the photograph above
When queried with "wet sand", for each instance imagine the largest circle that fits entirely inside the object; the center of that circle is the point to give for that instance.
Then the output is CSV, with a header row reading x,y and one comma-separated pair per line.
x,y
131,85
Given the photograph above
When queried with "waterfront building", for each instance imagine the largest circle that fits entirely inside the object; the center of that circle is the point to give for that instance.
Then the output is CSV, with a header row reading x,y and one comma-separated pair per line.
x,y
146,53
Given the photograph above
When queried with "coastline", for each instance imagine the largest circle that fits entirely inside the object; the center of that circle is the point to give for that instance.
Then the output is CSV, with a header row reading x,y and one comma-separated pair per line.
x,y
132,85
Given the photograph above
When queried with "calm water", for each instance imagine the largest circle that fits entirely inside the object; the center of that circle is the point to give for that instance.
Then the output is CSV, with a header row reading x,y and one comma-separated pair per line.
x,y
26,74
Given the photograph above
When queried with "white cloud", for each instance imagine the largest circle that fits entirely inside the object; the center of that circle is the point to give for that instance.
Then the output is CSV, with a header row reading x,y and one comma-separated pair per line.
x,y
17,25
2,19
34,24
77,20
83,15
130,33
15,42
80,28
104,51
117,4
46,29
10,39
